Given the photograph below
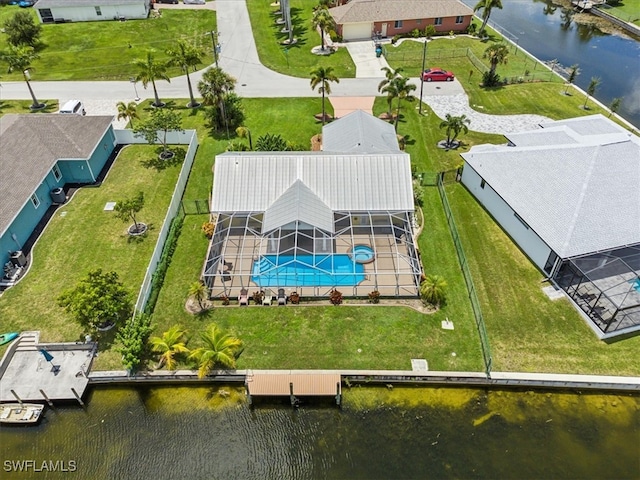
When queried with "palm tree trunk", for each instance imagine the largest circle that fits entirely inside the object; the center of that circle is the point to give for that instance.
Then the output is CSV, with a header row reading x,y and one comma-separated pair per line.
x,y
322,37
157,102
397,115
323,110
193,103
35,104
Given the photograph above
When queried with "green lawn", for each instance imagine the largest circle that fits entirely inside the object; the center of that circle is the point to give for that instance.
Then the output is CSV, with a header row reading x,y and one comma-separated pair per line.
x,y
296,60
105,50
82,236
627,10
527,331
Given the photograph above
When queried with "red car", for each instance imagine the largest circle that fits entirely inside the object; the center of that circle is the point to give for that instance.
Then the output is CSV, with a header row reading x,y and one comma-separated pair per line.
x,y
437,75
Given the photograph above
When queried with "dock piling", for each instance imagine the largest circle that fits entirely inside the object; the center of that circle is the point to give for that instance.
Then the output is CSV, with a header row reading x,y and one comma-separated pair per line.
x,y
46,398
17,397
75,394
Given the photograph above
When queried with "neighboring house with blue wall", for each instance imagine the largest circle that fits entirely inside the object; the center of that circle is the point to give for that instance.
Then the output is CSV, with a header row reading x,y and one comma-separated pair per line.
x,y
41,153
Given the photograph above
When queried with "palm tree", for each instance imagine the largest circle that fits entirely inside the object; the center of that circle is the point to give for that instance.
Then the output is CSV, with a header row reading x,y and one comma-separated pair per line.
x,y
220,350
322,76
19,58
186,56
389,75
497,54
454,125
168,346
127,111
198,290
149,72
215,85
399,88
574,71
591,89
323,20
614,106
486,6
432,290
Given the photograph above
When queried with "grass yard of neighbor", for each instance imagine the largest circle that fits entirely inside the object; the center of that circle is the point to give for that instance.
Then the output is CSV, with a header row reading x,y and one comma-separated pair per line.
x,y
106,50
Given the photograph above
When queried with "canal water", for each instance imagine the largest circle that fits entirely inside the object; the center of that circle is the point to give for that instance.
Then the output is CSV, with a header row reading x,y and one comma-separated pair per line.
x,y
379,433
549,34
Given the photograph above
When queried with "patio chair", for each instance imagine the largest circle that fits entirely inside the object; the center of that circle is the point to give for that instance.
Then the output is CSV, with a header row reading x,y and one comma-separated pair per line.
x,y
282,298
243,298
268,298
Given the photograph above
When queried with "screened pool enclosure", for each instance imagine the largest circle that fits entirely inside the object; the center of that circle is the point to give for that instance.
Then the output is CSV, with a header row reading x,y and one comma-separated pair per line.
x,y
361,252
606,286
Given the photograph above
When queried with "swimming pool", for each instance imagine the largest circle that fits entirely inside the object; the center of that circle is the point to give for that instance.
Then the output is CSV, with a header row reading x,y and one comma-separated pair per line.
x,y
306,271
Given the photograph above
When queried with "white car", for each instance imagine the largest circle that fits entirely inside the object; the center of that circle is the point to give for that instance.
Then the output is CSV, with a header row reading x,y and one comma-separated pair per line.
x,y
194,2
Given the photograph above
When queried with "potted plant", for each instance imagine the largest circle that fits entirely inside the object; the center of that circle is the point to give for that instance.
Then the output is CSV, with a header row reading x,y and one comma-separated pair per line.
x,y
258,297
374,297
335,297
294,298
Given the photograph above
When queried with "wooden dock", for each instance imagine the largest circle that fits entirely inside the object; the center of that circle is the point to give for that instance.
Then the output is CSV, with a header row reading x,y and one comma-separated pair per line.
x,y
293,384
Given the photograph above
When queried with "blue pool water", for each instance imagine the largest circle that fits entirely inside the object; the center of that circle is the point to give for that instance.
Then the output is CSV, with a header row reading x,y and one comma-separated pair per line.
x,y
362,253
306,271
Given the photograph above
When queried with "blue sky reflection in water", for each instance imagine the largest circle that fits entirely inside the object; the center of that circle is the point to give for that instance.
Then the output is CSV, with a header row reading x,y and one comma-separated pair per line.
x,y
613,58
196,433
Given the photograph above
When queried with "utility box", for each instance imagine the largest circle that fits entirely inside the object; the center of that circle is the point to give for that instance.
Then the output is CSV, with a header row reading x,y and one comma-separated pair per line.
x,y
58,195
18,259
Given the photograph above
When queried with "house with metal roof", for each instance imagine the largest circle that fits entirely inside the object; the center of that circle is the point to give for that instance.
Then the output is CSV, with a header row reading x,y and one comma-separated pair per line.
x,y
364,19
569,195
359,132
40,155
61,11
313,221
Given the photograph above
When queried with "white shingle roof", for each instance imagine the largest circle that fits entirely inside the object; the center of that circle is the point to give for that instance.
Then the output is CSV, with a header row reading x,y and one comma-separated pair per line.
x,y
251,181
579,198
85,3
359,132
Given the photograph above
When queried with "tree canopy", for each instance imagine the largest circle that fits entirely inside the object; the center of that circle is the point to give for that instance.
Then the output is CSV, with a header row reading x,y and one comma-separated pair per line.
x,y
21,29
98,299
155,128
128,208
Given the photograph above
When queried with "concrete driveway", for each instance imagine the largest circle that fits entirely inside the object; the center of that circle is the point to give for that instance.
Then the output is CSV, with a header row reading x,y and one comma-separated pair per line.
x,y
364,56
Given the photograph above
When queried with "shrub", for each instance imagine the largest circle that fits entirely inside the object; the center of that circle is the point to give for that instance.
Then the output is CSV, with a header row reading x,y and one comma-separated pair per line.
x,y
335,297
395,39
490,79
225,300
418,193
415,33
133,338
429,31
258,297
374,297
432,290
208,228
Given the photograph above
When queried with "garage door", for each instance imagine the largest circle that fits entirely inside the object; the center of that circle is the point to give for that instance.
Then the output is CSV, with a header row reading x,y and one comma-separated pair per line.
x,y
357,31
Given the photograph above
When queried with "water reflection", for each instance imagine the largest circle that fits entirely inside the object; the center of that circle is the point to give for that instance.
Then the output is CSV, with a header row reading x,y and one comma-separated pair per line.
x,y
210,432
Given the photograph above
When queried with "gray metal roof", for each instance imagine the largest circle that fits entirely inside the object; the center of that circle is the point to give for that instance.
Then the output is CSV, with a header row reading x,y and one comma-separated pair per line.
x,y
298,203
357,11
579,198
253,181
86,3
547,136
31,144
359,132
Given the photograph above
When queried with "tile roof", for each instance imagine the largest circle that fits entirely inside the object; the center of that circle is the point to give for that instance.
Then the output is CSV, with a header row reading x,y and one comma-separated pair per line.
x,y
580,197
357,11
31,144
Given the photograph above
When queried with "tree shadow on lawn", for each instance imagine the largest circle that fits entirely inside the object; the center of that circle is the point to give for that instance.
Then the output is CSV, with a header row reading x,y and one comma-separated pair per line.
x,y
299,29
158,164
140,238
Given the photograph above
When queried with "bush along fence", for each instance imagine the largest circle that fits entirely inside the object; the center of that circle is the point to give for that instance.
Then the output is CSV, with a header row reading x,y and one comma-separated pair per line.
x,y
464,265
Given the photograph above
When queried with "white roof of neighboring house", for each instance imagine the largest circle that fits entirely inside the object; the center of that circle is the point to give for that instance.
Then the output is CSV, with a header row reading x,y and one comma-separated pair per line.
x,y
85,3
306,185
357,11
31,144
579,197
359,132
